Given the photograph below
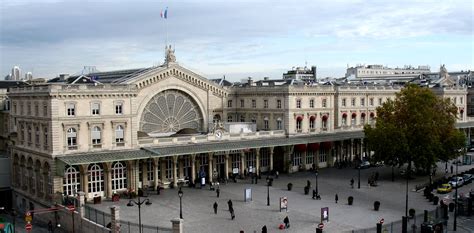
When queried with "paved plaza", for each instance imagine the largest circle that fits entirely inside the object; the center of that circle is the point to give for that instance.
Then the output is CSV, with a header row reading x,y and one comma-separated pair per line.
x,y
303,211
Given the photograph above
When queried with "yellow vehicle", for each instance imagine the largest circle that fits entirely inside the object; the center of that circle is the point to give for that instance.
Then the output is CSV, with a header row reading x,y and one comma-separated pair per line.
x,y
444,188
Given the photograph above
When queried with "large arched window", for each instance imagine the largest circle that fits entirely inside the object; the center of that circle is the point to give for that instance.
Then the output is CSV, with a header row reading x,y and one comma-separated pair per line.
x,y
71,181
96,179
72,139
96,136
362,118
353,119
324,122
119,176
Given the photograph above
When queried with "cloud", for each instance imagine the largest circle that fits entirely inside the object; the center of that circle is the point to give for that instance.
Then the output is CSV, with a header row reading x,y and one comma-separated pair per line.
x,y
61,36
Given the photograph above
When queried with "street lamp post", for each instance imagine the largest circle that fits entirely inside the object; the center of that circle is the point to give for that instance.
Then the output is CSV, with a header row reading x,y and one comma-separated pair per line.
x,y
316,188
358,182
268,191
456,198
180,194
139,204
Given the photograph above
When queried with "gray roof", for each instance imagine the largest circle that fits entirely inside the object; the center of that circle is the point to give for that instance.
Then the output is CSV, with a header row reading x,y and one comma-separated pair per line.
x,y
117,76
154,152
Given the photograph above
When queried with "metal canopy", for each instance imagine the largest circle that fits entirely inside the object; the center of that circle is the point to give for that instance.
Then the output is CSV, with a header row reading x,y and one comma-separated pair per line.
x,y
185,149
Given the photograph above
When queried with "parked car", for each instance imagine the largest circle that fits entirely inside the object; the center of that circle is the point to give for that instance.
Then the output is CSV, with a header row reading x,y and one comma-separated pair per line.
x,y
456,181
444,188
364,164
467,178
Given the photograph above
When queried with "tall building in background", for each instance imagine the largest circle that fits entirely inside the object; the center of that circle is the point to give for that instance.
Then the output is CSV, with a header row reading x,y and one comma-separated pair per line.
x,y
28,76
16,73
363,71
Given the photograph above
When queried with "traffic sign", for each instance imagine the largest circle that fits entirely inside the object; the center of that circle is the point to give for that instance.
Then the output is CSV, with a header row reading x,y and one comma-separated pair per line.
x,y
28,227
321,226
381,221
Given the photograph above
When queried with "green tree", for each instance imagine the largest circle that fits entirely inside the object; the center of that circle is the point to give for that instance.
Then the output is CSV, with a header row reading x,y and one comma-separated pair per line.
x,y
417,127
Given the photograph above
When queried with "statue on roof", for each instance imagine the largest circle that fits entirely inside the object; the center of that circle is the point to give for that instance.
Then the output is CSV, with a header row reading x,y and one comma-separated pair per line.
x,y
443,72
169,54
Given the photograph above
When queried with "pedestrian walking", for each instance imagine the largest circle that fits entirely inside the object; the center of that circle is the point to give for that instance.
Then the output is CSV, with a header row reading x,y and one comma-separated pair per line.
x,y
215,207
352,182
286,221
229,203
276,173
232,214
218,191
336,198
50,226
264,229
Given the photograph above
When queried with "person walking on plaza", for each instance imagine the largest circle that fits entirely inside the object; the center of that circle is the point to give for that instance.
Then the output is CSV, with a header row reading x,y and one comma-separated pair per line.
x,y
264,229
336,198
352,183
286,221
218,191
215,207
232,214
276,174
229,203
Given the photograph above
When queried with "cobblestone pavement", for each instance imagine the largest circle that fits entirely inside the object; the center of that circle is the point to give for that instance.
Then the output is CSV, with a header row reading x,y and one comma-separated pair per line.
x,y
303,211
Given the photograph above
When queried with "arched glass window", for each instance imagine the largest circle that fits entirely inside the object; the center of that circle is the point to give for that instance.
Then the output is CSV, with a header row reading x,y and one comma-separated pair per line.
x,y
324,122
71,181
119,134
96,179
119,176
312,121
299,122
279,124
72,138
96,135
37,136
29,135
353,119
344,120
229,119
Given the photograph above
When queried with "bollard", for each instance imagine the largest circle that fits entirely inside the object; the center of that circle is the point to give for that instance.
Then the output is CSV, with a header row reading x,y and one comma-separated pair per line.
x,y
425,216
319,230
379,228
404,224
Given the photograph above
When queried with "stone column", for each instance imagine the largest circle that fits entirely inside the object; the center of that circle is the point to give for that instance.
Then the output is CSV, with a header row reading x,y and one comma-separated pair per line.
x,y
316,156
242,162
226,169
181,166
209,162
164,161
115,219
85,180
257,163
177,225
271,158
156,163
352,150
193,167
81,202
175,171
144,165
361,148
130,175
304,155
108,179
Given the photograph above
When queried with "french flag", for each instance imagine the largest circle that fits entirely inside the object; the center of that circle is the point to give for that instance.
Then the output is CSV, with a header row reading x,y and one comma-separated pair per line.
x,y
164,14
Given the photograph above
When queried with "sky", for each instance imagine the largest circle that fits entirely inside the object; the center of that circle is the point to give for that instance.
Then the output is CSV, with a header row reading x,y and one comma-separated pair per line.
x,y
238,39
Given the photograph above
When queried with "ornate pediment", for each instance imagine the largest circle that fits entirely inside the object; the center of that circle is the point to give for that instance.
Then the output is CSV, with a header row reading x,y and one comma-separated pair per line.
x,y
174,70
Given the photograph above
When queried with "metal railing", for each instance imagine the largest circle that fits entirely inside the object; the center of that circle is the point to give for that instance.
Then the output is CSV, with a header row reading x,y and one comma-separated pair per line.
x,y
104,219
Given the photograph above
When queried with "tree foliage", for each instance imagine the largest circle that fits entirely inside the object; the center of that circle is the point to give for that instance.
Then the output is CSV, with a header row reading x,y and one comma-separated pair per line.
x,y
417,127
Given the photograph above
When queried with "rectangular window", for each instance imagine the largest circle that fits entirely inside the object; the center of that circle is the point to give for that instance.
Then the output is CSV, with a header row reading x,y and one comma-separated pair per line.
x,y
264,157
296,158
119,108
71,109
95,109
371,101
380,101
310,157
362,101
236,161
28,109
324,103
353,102
14,109
298,103
36,110
265,103
45,139
229,118
279,125
278,103
343,102
229,103
254,103
311,103
322,155
242,103
265,124
460,100
45,110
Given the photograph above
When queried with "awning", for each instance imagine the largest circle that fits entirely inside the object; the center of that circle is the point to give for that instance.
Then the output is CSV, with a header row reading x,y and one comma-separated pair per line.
x,y
312,118
108,156
344,115
354,115
299,118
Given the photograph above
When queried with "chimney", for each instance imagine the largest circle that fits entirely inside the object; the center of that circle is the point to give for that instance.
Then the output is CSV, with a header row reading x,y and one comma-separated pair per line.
x,y
313,68
250,81
266,78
